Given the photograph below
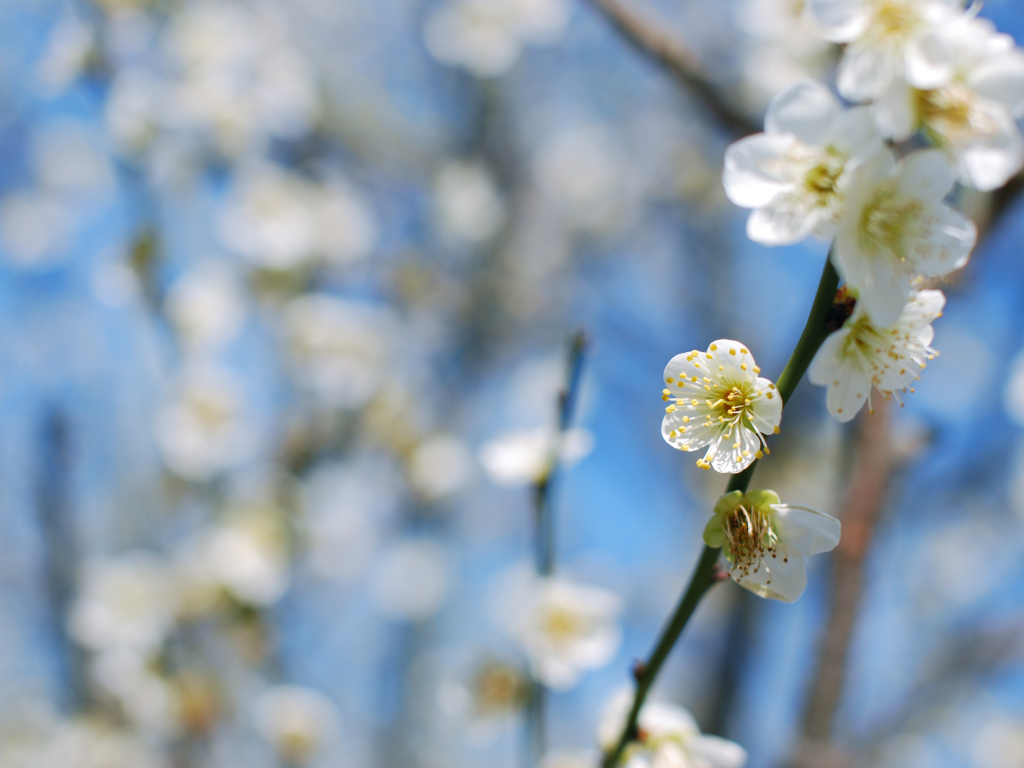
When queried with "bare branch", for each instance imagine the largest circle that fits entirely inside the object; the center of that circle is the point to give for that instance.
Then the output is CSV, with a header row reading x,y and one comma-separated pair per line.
x,y
648,36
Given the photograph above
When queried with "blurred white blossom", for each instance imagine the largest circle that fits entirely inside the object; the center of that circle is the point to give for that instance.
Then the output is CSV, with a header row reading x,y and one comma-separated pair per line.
x,y
795,174
469,205
124,602
202,430
668,737
339,349
897,229
564,628
247,554
440,466
522,458
298,722
486,37
207,305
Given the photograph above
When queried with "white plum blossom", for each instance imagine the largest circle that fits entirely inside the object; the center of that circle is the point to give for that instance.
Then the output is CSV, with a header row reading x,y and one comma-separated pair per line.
x,y
486,37
887,40
861,356
124,603
469,205
523,458
298,722
973,116
766,541
564,628
719,401
202,429
898,229
667,737
794,175
411,579
247,555
338,348
206,305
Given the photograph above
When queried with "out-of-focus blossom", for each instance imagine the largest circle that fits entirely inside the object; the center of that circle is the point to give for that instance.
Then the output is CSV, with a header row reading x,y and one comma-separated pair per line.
x,y
486,37
69,157
36,227
766,541
588,758
584,173
860,355
781,50
523,458
411,579
564,628
719,401
207,306
201,430
144,697
897,228
281,221
887,40
124,603
297,722
247,553
81,744
67,51
973,116
340,349
469,206
440,466
795,174
668,737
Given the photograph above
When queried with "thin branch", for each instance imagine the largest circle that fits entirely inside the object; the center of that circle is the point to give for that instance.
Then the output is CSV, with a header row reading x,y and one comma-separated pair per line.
x,y
814,334
648,36
544,521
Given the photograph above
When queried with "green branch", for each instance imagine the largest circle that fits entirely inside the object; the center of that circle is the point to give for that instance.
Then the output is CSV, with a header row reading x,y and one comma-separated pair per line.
x,y
814,334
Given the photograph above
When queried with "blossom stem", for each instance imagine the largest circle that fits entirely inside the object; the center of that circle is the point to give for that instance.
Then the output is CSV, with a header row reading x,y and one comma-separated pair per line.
x,y
544,521
814,334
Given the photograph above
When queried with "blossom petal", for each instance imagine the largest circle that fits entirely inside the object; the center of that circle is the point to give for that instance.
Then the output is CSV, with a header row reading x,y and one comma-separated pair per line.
x,y
752,167
734,362
855,133
944,244
717,752
785,223
1001,78
682,367
883,291
780,578
839,21
688,435
806,530
766,410
989,162
928,61
925,175
806,110
896,111
825,365
734,452
660,718
847,392
866,72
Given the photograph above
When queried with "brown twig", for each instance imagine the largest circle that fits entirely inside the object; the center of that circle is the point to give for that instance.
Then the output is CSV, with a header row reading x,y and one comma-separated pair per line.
x,y
648,36
865,500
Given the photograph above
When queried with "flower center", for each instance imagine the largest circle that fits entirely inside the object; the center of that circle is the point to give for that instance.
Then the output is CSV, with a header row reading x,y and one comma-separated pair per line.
x,y
822,179
751,539
561,625
887,224
951,117
893,21
732,404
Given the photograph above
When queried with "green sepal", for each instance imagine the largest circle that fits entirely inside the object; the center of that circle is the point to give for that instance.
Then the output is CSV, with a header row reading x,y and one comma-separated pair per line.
x,y
728,502
762,500
714,534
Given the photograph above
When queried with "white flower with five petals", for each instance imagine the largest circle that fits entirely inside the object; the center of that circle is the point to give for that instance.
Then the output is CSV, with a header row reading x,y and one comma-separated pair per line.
x,y
667,737
897,229
794,174
861,355
719,401
887,40
973,116
766,541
